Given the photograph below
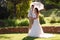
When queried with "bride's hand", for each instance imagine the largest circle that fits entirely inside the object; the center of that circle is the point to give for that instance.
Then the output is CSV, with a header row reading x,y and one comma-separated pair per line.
x,y
34,18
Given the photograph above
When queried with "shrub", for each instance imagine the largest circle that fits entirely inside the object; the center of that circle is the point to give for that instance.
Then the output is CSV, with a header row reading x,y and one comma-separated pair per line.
x,y
24,22
18,22
52,21
14,22
9,22
2,23
58,21
41,18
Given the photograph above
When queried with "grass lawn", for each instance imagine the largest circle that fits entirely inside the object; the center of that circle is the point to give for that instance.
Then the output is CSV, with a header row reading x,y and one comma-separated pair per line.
x,y
23,36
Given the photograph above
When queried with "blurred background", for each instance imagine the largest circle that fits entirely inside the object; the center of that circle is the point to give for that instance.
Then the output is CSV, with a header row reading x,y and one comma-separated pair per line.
x,y
14,13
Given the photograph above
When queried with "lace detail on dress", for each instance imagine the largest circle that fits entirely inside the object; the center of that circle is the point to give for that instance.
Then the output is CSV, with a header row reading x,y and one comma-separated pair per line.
x,y
34,15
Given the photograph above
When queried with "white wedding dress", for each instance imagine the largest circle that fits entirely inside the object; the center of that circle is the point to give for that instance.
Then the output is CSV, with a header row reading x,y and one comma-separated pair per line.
x,y
37,31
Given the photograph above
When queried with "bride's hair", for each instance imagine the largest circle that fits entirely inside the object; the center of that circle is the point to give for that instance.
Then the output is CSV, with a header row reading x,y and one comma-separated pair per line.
x,y
37,10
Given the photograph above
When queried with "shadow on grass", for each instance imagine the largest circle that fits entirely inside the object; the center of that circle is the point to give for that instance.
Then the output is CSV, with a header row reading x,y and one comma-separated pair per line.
x,y
29,38
4,37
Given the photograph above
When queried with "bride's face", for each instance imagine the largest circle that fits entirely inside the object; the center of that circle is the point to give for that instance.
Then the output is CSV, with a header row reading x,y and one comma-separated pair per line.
x,y
34,11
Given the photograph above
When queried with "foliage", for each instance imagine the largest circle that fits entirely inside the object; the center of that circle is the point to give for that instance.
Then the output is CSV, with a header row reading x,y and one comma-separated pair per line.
x,y
24,22
53,21
9,22
51,12
10,9
51,16
52,4
58,21
14,22
15,8
19,8
41,18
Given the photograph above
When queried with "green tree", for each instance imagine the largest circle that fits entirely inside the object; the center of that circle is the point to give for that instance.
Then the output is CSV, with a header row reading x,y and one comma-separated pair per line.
x,y
20,7
14,3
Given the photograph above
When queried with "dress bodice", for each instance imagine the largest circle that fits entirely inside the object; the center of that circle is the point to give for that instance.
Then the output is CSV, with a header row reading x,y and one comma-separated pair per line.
x,y
34,15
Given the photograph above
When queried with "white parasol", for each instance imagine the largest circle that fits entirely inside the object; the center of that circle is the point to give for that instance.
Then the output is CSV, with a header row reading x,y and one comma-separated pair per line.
x,y
38,5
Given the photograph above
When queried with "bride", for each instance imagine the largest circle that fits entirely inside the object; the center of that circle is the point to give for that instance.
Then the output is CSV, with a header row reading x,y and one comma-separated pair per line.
x,y
36,29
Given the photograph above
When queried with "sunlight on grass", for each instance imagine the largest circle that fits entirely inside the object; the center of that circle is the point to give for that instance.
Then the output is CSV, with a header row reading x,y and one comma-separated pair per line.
x,y
23,36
